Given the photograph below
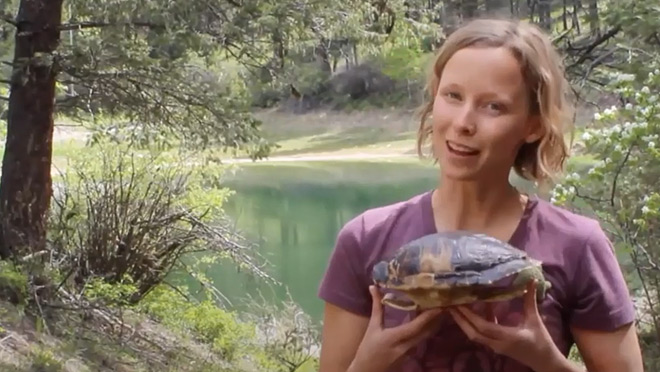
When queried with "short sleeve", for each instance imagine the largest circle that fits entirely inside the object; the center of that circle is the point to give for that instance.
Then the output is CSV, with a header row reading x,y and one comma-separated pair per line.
x,y
344,284
602,299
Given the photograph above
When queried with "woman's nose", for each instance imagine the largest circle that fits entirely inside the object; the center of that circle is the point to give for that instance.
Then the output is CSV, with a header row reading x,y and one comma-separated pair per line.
x,y
464,121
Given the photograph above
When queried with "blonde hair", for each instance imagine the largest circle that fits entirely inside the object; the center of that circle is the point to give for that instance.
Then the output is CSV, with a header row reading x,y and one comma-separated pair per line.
x,y
543,72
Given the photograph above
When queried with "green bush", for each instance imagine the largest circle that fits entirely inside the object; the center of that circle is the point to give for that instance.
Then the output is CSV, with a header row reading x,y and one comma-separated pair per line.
x,y
122,216
621,189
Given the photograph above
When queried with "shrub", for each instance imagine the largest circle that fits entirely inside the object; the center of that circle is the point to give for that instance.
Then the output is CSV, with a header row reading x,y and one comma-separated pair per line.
x,y
118,216
621,189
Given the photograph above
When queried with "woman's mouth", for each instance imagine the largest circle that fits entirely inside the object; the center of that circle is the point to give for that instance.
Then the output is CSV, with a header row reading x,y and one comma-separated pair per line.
x,y
461,150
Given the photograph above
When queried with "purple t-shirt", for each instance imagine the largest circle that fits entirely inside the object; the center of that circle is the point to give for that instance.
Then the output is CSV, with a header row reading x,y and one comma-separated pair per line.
x,y
588,289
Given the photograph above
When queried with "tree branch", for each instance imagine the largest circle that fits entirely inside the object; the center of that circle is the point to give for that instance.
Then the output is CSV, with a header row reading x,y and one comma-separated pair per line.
x,y
618,173
593,45
3,98
596,62
92,24
562,36
7,18
649,260
587,197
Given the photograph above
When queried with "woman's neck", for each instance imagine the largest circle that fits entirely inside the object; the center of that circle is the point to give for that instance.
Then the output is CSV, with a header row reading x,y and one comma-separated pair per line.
x,y
477,206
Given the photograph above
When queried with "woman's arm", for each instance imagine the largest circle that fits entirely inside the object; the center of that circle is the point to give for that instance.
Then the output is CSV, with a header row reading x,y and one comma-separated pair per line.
x,y
531,344
353,343
602,313
616,351
342,334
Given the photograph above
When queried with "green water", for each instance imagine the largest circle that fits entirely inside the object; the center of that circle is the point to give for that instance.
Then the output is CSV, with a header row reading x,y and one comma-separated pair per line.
x,y
295,212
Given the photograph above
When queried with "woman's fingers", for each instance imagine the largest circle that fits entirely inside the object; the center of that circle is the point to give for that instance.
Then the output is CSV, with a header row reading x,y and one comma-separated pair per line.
x,y
410,330
490,313
469,329
483,326
427,332
530,306
376,308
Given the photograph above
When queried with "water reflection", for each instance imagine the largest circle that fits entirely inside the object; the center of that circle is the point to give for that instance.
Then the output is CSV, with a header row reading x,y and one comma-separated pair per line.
x,y
295,213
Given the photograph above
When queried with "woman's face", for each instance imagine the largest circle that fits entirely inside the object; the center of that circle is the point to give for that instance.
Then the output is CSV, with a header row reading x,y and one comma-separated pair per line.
x,y
481,114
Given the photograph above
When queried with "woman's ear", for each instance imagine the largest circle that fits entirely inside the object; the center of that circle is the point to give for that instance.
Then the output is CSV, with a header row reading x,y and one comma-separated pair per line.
x,y
536,129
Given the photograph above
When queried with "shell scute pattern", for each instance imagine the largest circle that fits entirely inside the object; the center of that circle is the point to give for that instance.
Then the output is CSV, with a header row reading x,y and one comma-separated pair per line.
x,y
457,255
457,267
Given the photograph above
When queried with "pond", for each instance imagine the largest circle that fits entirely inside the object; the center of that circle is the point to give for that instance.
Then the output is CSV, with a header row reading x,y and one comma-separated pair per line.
x,y
295,210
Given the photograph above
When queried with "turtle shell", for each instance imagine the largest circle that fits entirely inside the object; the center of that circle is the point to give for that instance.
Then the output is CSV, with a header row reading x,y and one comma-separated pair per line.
x,y
452,259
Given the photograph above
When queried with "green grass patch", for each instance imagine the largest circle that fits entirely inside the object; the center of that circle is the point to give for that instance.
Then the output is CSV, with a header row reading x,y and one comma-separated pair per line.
x,y
377,171
62,151
365,139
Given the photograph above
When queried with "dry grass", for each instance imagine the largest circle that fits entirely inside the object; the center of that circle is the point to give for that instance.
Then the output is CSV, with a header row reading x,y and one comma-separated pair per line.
x,y
75,343
332,132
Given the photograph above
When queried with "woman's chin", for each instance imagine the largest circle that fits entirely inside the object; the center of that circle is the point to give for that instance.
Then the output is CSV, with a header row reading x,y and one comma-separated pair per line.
x,y
482,175
452,172
463,175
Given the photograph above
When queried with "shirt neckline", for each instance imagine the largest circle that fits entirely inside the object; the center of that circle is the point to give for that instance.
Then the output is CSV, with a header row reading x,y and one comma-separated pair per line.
x,y
518,234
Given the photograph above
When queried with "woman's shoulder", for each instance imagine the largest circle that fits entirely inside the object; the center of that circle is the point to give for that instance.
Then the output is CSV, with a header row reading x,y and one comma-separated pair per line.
x,y
361,242
581,260
558,221
574,244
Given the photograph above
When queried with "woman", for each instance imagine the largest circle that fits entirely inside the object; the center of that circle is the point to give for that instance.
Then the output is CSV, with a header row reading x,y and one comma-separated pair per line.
x,y
496,102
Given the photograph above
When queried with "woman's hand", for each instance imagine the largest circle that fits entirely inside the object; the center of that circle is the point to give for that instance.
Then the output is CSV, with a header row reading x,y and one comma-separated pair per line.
x,y
529,343
382,347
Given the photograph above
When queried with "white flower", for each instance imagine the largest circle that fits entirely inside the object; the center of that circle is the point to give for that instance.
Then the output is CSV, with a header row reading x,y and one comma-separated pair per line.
x,y
586,136
646,90
646,210
629,106
651,144
626,77
597,116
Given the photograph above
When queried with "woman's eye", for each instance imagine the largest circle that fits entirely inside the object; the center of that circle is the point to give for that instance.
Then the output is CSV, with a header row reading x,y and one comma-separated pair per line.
x,y
495,106
453,95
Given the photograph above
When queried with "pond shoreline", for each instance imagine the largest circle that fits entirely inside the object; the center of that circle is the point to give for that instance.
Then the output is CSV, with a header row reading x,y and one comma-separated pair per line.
x,y
309,157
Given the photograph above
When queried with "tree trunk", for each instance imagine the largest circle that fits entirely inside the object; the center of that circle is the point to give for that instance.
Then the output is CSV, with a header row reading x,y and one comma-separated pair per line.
x,y
576,20
594,21
469,8
545,14
322,58
497,8
26,184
